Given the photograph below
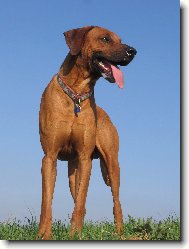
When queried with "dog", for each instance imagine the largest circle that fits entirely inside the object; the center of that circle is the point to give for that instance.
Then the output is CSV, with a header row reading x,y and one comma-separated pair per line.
x,y
74,129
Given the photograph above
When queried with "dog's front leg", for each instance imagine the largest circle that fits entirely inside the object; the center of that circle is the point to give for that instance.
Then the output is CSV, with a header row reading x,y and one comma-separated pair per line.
x,y
48,182
82,182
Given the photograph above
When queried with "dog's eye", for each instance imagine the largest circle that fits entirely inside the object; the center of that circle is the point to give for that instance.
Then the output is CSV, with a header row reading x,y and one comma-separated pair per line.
x,y
105,39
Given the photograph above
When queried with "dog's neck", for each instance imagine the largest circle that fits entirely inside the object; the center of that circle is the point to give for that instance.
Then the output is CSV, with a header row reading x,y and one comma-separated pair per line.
x,y
76,75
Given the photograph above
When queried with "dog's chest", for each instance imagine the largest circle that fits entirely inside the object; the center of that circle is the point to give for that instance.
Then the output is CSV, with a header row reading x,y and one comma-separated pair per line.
x,y
80,136
83,131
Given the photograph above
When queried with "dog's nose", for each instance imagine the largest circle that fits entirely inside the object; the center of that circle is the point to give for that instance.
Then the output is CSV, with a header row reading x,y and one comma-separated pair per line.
x,y
131,51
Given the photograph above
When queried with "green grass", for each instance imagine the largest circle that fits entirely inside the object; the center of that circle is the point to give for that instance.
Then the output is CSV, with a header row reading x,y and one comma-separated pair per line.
x,y
134,229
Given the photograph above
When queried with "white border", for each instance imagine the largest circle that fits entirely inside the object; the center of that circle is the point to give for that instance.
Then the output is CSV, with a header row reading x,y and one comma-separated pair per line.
x,y
185,102
185,186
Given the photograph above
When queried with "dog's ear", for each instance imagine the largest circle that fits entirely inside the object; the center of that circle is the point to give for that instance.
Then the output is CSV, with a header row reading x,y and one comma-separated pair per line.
x,y
75,38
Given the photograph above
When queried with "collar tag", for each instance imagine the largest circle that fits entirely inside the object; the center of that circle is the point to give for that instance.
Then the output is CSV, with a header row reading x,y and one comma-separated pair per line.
x,y
77,108
77,105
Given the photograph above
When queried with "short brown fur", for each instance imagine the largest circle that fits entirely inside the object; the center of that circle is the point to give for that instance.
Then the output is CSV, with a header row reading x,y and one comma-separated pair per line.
x,y
78,138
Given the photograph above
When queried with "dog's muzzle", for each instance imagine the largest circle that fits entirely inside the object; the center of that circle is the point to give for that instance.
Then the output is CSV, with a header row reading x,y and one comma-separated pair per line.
x,y
107,65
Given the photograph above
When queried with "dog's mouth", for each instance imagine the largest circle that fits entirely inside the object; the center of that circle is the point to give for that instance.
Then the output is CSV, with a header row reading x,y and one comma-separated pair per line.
x,y
108,68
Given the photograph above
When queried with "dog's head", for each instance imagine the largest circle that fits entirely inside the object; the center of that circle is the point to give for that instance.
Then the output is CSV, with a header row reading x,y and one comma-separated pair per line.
x,y
101,51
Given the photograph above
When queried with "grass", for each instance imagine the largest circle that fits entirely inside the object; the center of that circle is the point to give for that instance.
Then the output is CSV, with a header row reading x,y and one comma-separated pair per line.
x,y
134,229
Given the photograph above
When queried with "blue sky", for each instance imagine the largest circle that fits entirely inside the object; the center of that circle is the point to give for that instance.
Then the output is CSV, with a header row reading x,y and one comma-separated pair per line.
x,y
146,112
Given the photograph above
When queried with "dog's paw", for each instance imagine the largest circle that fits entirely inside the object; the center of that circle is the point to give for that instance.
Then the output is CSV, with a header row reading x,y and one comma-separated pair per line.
x,y
44,234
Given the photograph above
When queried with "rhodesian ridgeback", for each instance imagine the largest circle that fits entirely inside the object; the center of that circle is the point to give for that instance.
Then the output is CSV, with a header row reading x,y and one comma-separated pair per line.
x,y
74,129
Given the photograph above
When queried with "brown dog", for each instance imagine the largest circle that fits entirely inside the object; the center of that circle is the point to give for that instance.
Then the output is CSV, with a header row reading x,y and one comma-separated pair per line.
x,y
74,128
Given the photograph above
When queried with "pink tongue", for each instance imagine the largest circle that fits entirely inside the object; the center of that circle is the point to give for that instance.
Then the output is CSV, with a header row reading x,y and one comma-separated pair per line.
x,y
118,76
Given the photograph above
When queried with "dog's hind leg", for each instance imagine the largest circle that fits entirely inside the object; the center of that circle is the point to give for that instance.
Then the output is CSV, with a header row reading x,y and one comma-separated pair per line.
x,y
114,175
104,171
111,175
72,175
